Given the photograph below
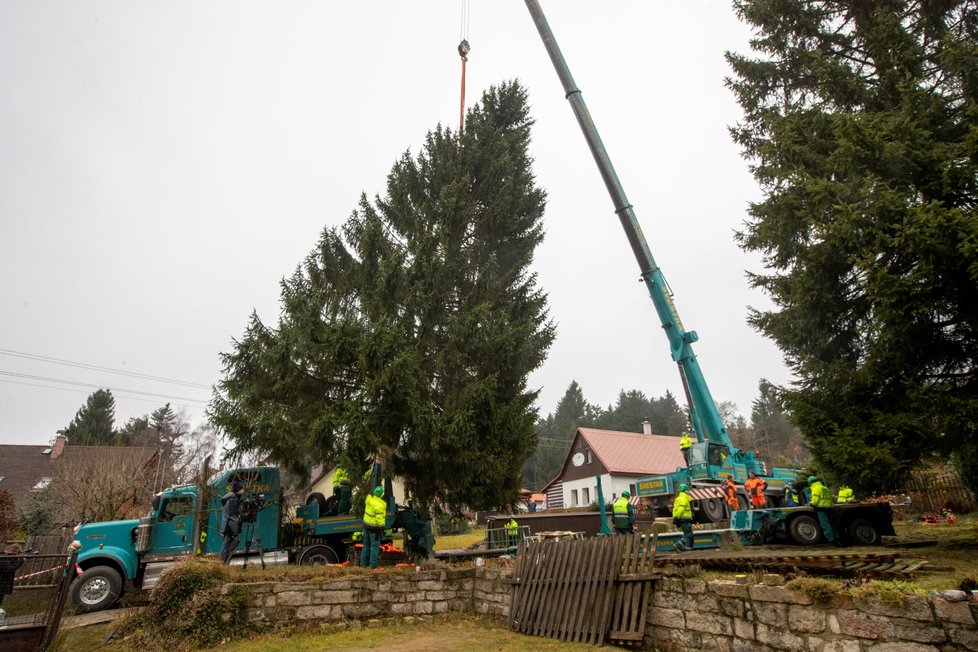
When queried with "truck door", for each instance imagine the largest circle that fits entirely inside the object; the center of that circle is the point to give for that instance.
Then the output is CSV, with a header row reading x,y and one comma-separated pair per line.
x,y
174,530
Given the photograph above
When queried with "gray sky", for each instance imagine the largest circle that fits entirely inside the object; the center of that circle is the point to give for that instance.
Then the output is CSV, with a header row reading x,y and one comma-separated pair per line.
x,y
164,164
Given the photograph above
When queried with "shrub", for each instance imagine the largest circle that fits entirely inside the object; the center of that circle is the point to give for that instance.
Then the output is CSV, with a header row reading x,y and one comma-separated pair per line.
x,y
816,588
189,610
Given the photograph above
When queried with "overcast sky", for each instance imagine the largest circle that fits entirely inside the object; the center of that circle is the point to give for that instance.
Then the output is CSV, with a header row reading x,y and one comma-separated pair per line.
x,y
164,164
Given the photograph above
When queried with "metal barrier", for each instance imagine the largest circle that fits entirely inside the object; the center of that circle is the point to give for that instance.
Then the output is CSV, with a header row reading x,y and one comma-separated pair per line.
x,y
499,538
33,609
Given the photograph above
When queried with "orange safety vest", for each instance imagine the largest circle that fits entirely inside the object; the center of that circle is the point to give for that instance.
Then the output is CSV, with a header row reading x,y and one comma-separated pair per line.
x,y
730,489
755,489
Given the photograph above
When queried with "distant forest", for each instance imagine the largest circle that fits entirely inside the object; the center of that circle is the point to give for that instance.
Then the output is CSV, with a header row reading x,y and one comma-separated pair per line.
x,y
768,431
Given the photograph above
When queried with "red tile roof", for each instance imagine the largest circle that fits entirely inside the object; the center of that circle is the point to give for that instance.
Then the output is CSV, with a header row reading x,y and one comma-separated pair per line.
x,y
634,453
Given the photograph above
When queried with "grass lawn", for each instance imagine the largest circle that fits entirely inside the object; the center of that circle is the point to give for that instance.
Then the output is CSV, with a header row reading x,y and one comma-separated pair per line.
x,y
460,541
459,633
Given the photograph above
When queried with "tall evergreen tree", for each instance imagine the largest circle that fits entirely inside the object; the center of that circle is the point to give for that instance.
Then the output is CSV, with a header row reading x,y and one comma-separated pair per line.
x,y
861,126
94,423
410,331
774,434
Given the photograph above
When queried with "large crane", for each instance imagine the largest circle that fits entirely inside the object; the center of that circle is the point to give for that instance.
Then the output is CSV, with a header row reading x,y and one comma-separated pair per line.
x,y
713,457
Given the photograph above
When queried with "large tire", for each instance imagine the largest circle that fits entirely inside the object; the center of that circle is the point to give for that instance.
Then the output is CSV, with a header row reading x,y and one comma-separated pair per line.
x,y
863,532
319,555
805,530
98,588
713,510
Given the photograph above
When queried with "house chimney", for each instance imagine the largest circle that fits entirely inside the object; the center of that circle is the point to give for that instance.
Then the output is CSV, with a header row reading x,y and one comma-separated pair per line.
x,y
647,427
58,446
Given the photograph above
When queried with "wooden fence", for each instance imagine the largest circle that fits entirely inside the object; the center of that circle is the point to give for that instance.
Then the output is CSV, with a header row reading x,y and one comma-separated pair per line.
x,y
584,590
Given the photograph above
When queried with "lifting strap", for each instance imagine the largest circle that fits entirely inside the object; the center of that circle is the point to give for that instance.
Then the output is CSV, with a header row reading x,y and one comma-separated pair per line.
x,y
463,51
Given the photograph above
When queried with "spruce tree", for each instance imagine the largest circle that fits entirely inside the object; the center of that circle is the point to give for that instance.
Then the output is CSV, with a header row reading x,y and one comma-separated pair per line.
x,y
410,331
861,127
93,424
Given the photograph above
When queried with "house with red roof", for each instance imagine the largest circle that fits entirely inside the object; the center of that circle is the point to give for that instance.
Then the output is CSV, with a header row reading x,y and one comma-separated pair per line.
x,y
618,458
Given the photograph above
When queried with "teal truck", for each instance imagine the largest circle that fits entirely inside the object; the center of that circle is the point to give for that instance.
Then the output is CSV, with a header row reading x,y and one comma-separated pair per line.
x,y
116,556
713,457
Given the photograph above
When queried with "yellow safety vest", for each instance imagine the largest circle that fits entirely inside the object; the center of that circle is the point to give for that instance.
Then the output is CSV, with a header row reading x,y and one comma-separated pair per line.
x,y
683,507
375,512
685,442
845,494
339,475
821,497
512,527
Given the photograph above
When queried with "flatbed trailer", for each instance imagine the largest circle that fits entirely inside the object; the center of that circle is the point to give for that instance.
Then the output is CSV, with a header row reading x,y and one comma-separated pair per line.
x,y
861,524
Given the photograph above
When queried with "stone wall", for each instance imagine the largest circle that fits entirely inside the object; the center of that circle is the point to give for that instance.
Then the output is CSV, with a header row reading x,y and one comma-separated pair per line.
x,y
686,614
695,614
384,594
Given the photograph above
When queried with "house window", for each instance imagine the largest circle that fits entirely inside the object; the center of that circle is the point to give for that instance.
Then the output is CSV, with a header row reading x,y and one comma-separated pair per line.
x,y
2,477
631,489
586,494
42,484
574,502
587,456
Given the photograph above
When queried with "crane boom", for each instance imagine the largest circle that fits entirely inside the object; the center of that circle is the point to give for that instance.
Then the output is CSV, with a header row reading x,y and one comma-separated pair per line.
x,y
703,412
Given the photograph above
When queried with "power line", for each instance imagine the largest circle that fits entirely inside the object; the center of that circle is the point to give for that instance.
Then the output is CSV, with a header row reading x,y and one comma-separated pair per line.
x,y
85,365
117,393
80,384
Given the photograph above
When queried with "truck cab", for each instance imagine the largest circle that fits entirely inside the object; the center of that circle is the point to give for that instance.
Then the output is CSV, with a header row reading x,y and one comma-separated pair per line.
x,y
116,556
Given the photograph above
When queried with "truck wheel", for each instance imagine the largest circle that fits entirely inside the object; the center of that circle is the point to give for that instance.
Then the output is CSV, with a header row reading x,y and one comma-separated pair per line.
x,y
863,532
98,588
805,530
743,502
713,510
318,556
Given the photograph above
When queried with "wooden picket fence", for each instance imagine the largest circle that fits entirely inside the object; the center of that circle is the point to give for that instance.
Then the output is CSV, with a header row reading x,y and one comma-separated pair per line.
x,y
584,590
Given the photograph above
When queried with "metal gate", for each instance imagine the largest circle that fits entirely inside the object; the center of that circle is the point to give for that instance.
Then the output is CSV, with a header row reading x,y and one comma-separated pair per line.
x,y
584,590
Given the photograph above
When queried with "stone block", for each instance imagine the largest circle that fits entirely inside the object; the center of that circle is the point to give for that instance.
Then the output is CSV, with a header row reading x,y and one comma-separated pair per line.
x,y
913,607
334,597
695,586
294,598
778,638
761,593
772,579
673,618
362,610
775,615
402,608
966,638
902,647
439,607
673,584
955,612
424,607
732,607
318,612
338,585
854,623
807,620
729,589
669,600
738,645
255,615
833,622
816,644
428,585
711,623
909,630
436,595
743,629
704,603
270,600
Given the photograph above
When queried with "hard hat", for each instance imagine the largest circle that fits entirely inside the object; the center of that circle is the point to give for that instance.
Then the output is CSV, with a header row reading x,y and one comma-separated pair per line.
x,y
378,491
811,479
626,493
683,487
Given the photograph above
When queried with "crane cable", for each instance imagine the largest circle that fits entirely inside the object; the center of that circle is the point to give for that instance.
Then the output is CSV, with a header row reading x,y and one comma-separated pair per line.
x,y
463,51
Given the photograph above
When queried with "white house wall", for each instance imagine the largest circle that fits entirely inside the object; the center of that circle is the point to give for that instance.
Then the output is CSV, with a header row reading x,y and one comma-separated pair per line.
x,y
610,485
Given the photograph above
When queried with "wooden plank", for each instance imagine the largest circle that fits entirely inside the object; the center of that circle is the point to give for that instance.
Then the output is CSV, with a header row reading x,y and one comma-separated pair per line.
x,y
563,576
535,572
523,557
579,558
539,597
581,615
606,599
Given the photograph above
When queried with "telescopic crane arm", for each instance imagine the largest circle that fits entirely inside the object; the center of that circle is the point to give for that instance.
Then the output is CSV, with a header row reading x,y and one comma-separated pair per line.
x,y
703,412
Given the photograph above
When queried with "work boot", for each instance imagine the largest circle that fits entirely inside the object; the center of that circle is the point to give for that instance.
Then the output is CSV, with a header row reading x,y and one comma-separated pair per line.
x,y
678,547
